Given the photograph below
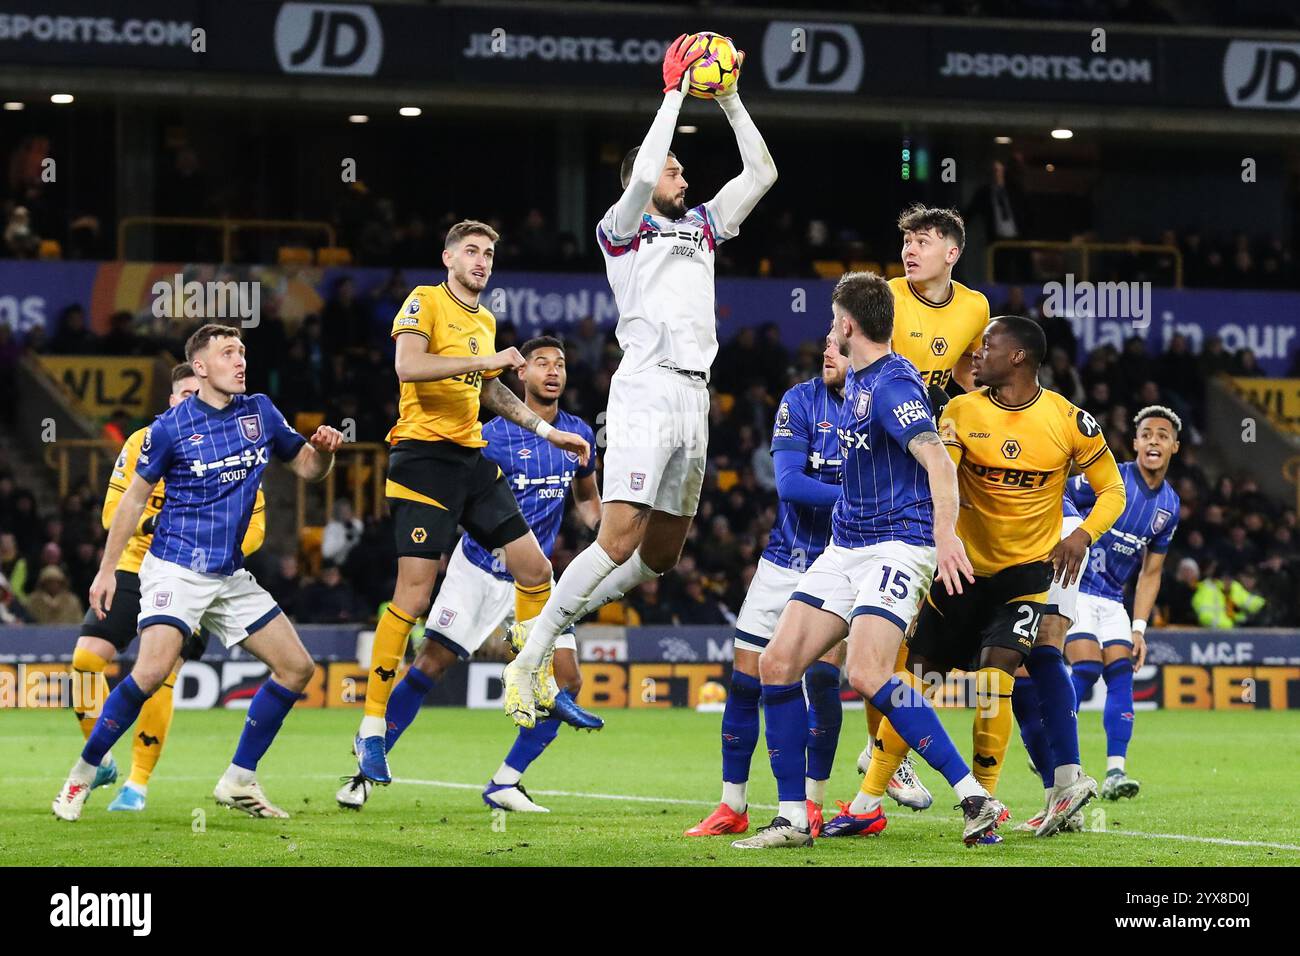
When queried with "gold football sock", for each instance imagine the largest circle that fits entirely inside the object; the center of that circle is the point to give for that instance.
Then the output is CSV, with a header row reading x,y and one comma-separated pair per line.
x,y
89,687
874,716
885,759
992,730
386,658
530,601
151,732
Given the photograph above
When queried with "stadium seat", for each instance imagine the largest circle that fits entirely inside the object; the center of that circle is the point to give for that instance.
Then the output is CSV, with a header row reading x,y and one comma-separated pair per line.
x,y
294,256
305,423
50,249
726,402
894,270
310,539
728,478
828,268
333,256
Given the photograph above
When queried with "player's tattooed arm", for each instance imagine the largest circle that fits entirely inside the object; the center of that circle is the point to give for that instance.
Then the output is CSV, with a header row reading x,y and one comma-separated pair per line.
x,y
951,562
495,397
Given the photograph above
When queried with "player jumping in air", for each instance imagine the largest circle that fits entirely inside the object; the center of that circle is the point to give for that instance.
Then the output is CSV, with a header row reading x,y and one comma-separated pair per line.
x,y
892,531
1013,442
101,641
806,451
438,476
659,257
938,326
476,596
1101,641
212,449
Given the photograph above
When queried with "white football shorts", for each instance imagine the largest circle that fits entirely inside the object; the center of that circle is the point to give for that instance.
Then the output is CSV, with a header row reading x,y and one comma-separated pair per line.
x,y
471,606
1061,599
889,579
229,607
1100,619
657,436
769,592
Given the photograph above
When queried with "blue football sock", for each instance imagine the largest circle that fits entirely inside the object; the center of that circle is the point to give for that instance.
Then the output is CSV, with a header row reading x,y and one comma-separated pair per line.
x,y
1117,716
825,715
1024,703
1056,703
530,743
120,710
740,727
916,722
270,705
1083,675
404,704
787,735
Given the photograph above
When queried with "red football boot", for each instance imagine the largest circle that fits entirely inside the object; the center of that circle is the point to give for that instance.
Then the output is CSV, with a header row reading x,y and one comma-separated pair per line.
x,y
721,821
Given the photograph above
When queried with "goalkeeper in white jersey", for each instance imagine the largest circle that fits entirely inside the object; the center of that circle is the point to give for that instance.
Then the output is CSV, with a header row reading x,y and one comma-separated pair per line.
x,y
659,256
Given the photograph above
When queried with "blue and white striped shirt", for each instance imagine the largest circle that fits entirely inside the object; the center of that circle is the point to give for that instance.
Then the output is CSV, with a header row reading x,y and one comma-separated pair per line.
x,y
886,493
806,423
212,460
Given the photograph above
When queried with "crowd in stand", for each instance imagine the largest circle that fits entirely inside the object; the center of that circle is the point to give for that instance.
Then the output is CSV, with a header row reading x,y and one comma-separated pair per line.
x,y
1233,562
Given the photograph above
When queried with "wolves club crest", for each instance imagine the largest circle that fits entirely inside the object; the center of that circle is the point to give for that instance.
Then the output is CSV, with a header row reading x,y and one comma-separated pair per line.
x,y
862,407
250,426
1161,519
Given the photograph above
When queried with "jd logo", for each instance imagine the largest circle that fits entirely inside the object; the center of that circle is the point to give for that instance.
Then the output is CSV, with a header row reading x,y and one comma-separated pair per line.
x,y
1262,75
328,38
830,60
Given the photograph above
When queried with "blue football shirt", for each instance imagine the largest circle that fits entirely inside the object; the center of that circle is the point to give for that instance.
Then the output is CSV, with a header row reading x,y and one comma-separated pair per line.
x,y
806,422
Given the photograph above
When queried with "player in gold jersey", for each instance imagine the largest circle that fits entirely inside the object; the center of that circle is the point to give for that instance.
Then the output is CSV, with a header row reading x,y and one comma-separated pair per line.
x,y
1013,443
438,477
938,326
101,641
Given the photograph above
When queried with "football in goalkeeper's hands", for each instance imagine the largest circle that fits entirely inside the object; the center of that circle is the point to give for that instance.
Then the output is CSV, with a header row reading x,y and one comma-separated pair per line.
x,y
718,70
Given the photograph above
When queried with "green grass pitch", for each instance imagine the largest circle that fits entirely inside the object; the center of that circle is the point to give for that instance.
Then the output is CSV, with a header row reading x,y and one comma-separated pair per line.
x,y
1217,791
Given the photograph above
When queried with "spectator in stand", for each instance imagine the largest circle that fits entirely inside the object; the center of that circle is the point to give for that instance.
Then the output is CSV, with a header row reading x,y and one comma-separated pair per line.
x,y
1177,376
341,534
696,606
12,564
1237,553
1215,359
1248,365
52,602
329,600
1060,376
121,338
585,346
285,585
12,611
1058,330
345,320
82,566
117,428
1178,594
20,238
73,337
24,523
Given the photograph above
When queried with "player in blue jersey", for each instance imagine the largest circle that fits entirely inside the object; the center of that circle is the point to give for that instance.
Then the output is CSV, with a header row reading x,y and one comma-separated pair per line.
x,y
212,449
892,531
806,452
477,595
1102,642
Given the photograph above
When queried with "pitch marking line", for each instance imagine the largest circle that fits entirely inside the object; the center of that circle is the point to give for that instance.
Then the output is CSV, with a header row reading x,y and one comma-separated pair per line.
x,y
628,798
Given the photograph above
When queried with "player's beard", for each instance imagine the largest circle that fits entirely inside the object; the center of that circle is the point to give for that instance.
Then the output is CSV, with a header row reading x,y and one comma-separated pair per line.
x,y
670,207
541,398
470,281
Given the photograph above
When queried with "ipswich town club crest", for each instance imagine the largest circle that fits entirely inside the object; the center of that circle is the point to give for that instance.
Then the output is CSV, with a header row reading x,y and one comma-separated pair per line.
x,y
862,407
1160,520
251,427
445,616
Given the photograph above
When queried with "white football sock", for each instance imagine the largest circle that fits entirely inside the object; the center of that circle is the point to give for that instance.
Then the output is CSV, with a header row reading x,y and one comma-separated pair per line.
x,y
83,772
630,574
796,811
968,786
864,803
507,775
1114,763
373,726
1066,774
815,790
735,795
575,587
239,776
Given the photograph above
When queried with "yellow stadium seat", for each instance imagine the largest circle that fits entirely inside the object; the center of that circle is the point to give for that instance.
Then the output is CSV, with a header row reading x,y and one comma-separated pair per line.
x,y
728,478
310,539
305,423
294,256
828,268
726,402
865,265
50,249
333,256
894,270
